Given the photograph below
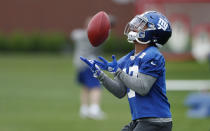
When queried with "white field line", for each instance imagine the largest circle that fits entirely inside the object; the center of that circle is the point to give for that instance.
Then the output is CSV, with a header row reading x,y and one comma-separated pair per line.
x,y
187,85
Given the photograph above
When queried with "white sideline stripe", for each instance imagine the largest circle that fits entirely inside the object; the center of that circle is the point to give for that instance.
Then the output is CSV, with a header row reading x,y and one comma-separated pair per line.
x,y
187,85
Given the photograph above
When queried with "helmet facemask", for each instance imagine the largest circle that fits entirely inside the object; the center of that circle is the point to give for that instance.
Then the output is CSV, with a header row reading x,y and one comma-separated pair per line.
x,y
137,29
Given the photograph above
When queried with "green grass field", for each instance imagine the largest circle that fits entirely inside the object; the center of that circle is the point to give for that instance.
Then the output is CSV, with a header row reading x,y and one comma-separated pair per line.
x,y
39,93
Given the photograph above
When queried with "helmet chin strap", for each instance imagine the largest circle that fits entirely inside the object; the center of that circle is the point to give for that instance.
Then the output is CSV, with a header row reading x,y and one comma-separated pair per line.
x,y
133,36
141,42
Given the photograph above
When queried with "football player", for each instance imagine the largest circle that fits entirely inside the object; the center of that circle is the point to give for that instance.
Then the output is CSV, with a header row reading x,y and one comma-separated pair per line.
x,y
141,73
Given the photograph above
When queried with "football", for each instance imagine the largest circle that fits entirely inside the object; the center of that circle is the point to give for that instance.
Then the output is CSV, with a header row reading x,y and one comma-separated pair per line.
x,y
98,28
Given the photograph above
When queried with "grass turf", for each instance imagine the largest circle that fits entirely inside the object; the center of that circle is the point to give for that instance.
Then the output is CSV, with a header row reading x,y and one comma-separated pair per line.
x,y
39,93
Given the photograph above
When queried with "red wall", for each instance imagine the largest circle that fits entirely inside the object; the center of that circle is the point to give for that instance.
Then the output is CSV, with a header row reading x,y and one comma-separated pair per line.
x,y
58,15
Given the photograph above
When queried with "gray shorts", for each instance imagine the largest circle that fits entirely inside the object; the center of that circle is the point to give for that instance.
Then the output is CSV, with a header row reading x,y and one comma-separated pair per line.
x,y
148,126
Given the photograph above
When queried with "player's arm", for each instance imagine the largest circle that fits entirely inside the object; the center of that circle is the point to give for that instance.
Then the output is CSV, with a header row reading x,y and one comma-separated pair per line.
x,y
141,84
148,73
116,87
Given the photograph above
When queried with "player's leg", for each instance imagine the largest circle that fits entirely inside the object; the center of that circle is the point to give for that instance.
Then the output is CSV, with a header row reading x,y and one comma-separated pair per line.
x,y
166,126
95,111
95,95
84,94
153,126
130,126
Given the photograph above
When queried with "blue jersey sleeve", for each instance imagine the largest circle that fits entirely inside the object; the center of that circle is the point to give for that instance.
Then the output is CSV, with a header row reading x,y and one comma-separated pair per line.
x,y
153,66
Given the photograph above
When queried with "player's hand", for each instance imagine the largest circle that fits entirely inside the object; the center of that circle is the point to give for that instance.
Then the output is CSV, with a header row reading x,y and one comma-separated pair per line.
x,y
108,66
92,65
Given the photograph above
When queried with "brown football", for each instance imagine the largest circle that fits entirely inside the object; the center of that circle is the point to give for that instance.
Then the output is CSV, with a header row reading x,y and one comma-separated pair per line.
x,y
98,28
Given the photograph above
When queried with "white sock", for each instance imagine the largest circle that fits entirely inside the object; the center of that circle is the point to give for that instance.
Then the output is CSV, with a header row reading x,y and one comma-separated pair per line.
x,y
84,109
94,108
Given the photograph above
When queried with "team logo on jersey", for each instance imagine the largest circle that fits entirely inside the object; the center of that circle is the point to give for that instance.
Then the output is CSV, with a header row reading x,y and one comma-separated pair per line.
x,y
162,24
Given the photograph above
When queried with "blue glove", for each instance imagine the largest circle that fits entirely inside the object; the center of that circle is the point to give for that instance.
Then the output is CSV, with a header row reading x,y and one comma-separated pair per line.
x,y
92,65
108,66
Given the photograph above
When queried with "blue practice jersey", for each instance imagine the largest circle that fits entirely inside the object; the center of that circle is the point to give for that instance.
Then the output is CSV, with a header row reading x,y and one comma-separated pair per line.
x,y
150,62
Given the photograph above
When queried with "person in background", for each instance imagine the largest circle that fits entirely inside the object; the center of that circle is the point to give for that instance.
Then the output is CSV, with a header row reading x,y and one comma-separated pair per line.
x,y
90,95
